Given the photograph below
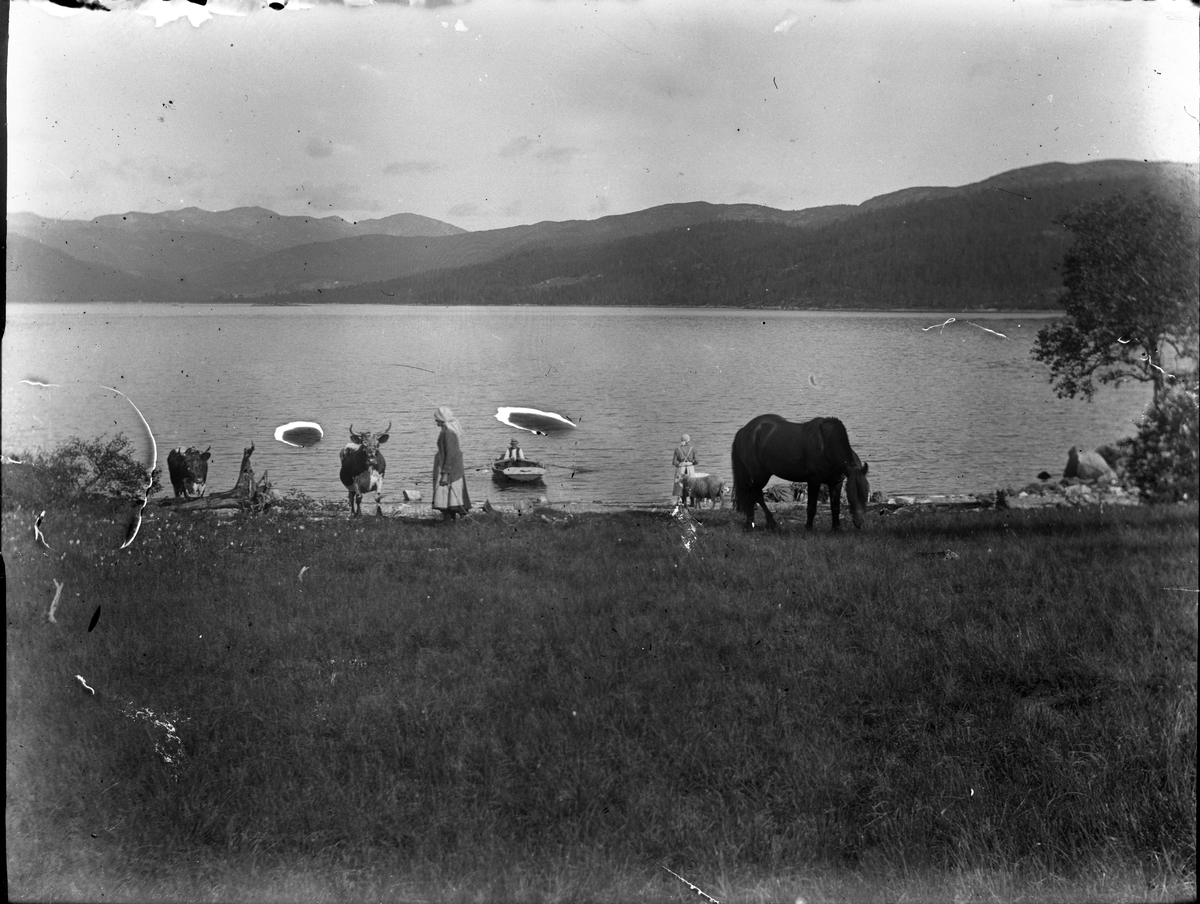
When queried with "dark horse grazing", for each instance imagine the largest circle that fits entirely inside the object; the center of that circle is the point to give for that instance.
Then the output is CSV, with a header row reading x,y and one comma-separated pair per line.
x,y
815,452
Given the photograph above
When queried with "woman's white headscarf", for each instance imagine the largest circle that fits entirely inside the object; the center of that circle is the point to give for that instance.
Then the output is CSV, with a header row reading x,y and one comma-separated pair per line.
x,y
446,418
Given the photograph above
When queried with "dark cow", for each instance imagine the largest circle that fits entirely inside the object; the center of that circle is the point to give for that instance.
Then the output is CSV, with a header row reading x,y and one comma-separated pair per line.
x,y
363,467
189,470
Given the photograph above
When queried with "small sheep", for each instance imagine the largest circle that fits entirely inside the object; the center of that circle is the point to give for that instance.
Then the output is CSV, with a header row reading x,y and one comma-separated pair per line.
x,y
697,489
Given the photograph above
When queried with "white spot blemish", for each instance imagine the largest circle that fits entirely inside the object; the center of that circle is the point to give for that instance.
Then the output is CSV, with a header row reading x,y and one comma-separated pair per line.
x,y
163,12
308,431
536,420
789,19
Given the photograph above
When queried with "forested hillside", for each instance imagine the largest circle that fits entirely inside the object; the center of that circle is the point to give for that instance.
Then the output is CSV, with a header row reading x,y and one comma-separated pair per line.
x,y
941,254
983,247
991,244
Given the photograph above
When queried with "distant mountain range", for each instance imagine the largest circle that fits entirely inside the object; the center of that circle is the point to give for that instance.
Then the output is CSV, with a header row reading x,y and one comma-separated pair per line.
x,y
991,244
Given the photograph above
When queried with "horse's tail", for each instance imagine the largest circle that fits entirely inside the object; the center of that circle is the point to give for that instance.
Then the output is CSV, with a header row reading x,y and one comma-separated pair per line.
x,y
743,495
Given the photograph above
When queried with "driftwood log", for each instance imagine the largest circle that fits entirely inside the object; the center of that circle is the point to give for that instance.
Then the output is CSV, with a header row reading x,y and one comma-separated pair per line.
x,y
248,494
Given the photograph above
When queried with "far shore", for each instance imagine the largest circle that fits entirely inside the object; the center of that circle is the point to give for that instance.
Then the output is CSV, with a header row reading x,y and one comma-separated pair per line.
x,y
265,302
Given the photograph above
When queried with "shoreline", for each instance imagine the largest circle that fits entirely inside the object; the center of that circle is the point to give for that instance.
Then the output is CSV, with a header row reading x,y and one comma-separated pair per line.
x,y
1050,495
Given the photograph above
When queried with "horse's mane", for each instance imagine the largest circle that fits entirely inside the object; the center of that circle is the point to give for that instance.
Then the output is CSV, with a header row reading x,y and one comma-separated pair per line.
x,y
835,433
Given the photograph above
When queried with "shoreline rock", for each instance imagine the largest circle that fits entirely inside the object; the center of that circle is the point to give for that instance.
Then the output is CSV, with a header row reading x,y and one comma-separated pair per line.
x,y
1070,491
1047,494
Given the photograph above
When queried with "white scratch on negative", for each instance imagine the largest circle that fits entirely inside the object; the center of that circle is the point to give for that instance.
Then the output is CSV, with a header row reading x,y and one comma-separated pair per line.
x,y
1146,358
694,888
684,517
37,530
58,587
85,684
137,523
40,384
986,330
940,327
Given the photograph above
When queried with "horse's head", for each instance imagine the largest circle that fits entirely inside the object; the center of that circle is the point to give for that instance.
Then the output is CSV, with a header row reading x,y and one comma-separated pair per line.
x,y
858,491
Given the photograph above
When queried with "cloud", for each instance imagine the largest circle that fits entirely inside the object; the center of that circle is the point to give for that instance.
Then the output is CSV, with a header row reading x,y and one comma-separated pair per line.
x,y
524,145
467,209
318,148
558,155
599,207
517,147
751,190
418,167
345,196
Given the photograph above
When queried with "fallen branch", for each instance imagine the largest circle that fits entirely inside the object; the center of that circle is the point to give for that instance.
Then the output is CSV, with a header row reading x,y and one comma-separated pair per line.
x,y
247,494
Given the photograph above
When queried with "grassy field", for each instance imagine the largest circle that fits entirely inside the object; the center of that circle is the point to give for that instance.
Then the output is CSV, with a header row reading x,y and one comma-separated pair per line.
x,y
991,705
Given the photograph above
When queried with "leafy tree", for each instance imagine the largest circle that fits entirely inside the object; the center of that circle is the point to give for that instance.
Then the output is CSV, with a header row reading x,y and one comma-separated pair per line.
x,y
1132,282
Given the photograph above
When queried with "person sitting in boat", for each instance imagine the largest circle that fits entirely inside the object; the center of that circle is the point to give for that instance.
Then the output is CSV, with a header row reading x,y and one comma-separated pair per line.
x,y
514,452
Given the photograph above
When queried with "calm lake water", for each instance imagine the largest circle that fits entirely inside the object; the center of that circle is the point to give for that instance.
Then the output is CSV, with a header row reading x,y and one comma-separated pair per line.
x,y
934,408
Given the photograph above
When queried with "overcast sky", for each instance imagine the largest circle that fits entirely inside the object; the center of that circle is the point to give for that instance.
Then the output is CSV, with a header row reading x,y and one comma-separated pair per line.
x,y
499,112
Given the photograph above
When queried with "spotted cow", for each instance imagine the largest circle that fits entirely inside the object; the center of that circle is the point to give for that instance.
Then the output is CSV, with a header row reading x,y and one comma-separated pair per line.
x,y
189,470
363,467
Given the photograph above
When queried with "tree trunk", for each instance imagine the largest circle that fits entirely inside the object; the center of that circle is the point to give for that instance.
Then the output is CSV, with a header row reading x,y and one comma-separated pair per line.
x,y
1157,375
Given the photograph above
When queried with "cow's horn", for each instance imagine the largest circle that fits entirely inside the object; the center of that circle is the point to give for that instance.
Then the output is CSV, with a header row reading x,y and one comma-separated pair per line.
x,y
388,429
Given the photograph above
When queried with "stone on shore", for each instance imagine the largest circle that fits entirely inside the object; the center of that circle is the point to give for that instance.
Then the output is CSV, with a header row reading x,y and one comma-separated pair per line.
x,y
1088,466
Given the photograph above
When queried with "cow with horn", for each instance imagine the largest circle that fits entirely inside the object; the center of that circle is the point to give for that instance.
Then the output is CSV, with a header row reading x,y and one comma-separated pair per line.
x,y
363,467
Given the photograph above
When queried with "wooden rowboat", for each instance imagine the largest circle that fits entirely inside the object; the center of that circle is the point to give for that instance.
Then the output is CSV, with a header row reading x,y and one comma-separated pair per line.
x,y
521,469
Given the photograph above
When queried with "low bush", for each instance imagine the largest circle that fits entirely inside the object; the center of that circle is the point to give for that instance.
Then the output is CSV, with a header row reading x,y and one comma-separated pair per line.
x,y
1163,460
97,470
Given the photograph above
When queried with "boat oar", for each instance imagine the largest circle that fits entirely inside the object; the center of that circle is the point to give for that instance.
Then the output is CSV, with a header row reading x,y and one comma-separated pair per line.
x,y
573,470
